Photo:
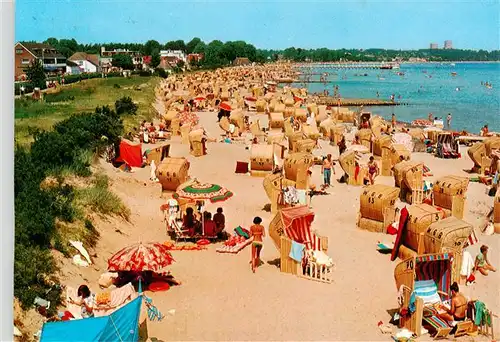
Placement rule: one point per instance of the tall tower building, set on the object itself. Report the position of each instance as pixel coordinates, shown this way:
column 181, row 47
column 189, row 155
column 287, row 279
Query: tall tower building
column 448, row 44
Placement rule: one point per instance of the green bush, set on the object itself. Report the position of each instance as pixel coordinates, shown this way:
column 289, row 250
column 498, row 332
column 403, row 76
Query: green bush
column 161, row 72
column 28, row 88
column 29, row 263
column 125, row 105
column 38, row 203
column 144, row 73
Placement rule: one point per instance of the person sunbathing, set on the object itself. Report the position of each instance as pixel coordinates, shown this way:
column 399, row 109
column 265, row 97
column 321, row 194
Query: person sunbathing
column 458, row 310
column 482, row 263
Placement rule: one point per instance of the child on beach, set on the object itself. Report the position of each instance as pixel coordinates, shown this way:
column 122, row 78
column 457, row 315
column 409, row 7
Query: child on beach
column 257, row 231
column 482, row 263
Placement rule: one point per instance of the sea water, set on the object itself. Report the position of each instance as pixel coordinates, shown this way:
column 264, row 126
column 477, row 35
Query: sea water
column 426, row 88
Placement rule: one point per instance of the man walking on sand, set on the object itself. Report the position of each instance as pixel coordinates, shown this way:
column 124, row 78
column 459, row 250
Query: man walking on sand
column 326, row 170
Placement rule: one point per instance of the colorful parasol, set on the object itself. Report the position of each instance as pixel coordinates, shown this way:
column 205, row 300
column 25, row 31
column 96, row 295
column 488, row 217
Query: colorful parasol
column 225, row 106
column 298, row 99
column 188, row 118
column 199, row 98
column 141, row 257
column 203, row 191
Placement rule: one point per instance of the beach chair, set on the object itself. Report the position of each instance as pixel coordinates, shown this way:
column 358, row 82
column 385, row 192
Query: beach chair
column 257, row 131
column 293, row 225
column 229, row 129
column 447, row 147
column 179, row 233
column 428, row 277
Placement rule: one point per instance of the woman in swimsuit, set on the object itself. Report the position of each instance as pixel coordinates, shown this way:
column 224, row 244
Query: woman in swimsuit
column 458, row 310
column 482, row 263
column 257, row 231
column 372, row 170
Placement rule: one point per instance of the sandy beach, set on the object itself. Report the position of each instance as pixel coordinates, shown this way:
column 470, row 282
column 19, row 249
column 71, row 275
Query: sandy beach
column 221, row 299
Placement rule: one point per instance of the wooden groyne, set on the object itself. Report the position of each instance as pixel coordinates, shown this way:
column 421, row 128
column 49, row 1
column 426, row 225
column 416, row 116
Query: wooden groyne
column 331, row 101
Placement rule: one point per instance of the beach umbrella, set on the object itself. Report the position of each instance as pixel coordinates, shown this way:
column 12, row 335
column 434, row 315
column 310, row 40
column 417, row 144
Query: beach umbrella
column 203, row 191
column 225, row 106
column 250, row 98
column 188, row 118
column 141, row 257
column 199, row 98
column 197, row 191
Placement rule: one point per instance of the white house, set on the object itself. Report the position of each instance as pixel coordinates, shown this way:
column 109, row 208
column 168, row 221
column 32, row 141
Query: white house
column 86, row 62
column 173, row 53
column 72, row 68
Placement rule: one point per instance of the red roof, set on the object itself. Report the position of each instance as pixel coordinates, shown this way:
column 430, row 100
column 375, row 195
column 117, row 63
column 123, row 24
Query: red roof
column 146, row 59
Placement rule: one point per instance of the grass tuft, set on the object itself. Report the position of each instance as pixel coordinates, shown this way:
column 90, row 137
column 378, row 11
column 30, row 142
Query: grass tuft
column 99, row 198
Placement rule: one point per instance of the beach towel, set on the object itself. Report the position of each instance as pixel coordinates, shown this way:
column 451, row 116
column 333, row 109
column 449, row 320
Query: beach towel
column 302, row 196
column 428, row 291
column 297, row 251
column 321, row 258
column 467, row 264
column 290, row 195
column 118, row 298
column 79, row 246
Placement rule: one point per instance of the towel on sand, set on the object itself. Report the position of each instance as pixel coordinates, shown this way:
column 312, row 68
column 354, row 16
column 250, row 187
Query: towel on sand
column 118, row 298
column 297, row 251
column 467, row 264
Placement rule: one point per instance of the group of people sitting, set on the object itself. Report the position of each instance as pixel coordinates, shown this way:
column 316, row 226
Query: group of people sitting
column 208, row 226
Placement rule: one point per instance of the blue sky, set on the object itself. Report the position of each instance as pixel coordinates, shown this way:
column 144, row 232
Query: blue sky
column 278, row 24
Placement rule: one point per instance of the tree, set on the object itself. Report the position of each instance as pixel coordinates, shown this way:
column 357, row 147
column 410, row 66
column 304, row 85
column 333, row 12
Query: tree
column 155, row 59
column 150, row 47
column 176, row 45
column 200, row 48
column 122, row 61
column 36, row 75
column 192, row 44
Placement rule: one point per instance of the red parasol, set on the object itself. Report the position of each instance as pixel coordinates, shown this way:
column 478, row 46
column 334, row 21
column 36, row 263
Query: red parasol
column 141, row 257
column 199, row 98
column 298, row 99
column 250, row 98
column 225, row 106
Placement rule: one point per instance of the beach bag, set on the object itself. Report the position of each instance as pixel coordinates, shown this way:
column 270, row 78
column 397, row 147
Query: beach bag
column 242, row 232
column 241, row 167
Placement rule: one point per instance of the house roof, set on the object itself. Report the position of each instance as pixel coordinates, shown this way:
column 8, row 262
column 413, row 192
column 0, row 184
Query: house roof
column 39, row 50
column 70, row 63
column 241, row 61
column 83, row 56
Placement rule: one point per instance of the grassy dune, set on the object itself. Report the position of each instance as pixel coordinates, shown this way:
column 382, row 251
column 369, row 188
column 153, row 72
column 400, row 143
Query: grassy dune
column 82, row 97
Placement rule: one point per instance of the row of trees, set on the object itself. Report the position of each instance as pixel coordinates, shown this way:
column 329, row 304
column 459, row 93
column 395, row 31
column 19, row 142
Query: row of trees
column 219, row 54
column 216, row 53
column 373, row 55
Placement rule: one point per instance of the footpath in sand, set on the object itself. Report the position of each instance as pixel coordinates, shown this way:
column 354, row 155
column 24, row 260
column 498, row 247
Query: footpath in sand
column 221, row 299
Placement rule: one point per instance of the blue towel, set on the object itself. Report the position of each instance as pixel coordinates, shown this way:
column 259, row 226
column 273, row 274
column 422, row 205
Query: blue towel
column 297, row 251
column 411, row 306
